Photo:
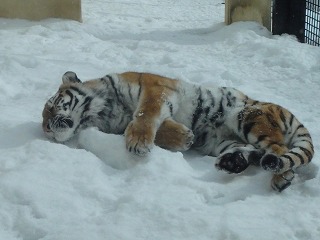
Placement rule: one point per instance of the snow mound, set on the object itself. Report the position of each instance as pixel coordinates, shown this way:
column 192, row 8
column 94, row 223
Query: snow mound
column 112, row 150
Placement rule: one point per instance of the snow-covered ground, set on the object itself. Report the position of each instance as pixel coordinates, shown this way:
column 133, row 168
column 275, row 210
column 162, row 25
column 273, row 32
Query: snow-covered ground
column 52, row 191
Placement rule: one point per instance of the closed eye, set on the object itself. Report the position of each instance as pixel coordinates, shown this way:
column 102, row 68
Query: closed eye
column 69, row 122
column 62, row 122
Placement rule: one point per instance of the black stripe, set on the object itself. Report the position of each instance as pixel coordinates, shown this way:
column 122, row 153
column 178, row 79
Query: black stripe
column 210, row 97
column 140, row 86
column 247, row 128
column 227, row 146
column 304, row 135
column 246, row 100
column 69, row 94
column 102, row 114
column 261, row 138
column 290, row 159
column 86, row 119
column 57, row 99
column 306, row 152
column 304, row 140
column 283, row 119
column 76, row 101
column 198, row 111
column 86, row 101
column 86, row 104
column 77, row 90
column 229, row 104
column 220, row 106
column 129, row 91
column 299, row 156
column 271, row 120
column 219, row 112
column 206, row 112
column 295, row 131
column 240, row 119
column 113, row 87
column 309, row 142
column 291, row 119
column 203, row 138
column 71, row 97
column 169, row 104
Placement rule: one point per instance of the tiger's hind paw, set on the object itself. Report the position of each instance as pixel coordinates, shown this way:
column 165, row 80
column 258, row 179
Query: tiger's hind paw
column 174, row 136
column 282, row 181
column 187, row 141
column 232, row 162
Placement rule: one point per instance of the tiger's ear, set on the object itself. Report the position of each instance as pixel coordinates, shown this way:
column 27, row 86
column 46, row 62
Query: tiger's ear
column 70, row 77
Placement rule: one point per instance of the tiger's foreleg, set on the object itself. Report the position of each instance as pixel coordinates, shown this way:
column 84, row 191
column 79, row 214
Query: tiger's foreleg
column 287, row 142
column 141, row 131
column 155, row 105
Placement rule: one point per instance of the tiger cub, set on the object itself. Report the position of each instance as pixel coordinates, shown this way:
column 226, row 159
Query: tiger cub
column 150, row 109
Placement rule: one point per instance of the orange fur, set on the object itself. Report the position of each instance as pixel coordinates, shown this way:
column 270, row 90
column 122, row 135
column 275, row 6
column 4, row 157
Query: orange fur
column 173, row 135
column 267, row 123
column 155, row 90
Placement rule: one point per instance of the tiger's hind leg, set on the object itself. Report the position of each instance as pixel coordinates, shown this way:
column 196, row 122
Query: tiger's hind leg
column 287, row 142
column 174, row 136
column 235, row 157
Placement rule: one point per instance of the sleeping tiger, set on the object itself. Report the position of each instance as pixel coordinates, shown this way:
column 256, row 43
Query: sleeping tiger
column 150, row 109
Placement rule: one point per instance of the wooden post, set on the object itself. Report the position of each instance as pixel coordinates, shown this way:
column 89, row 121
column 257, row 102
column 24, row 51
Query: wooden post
column 41, row 9
column 248, row 10
column 289, row 17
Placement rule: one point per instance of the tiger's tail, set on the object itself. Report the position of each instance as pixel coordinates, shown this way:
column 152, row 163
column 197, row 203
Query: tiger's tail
column 300, row 150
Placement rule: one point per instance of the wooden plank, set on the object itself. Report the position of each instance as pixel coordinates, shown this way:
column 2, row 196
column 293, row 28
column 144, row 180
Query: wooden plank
column 248, row 10
column 41, row 9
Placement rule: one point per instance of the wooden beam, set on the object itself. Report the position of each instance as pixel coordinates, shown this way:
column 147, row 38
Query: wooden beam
column 248, row 10
column 41, row 9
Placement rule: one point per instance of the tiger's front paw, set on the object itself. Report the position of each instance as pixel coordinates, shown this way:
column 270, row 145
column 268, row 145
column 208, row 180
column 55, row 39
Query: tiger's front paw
column 187, row 138
column 139, row 138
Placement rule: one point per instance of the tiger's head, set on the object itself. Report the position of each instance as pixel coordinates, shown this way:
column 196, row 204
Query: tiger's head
column 63, row 112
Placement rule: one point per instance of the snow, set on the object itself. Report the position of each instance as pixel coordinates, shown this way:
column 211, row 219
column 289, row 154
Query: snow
column 94, row 189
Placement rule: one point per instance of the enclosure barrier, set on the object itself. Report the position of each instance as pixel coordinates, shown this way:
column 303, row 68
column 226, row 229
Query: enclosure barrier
column 297, row 17
column 248, row 10
column 41, row 9
column 312, row 22
column 289, row 17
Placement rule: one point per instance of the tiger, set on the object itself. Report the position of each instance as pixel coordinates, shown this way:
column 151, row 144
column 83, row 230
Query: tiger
column 149, row 109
